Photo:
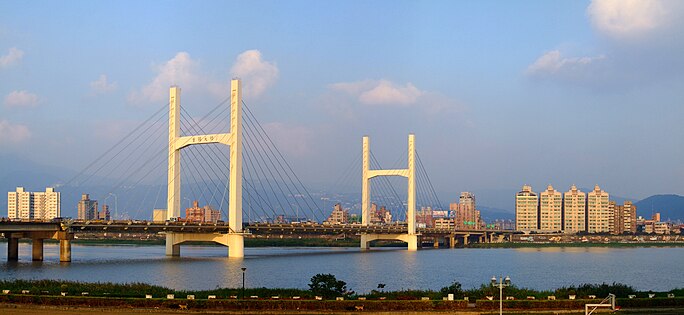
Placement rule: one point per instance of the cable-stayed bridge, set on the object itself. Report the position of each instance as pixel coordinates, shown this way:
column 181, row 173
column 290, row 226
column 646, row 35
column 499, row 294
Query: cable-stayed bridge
column 244, row 176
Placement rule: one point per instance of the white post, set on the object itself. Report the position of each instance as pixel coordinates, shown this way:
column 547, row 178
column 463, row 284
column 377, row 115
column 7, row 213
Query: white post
column 500, row 296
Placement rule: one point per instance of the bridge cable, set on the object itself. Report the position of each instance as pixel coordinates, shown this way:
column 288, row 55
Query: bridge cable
column 264, row 136
column 225, row 164
column 250, row 114
column 248, row 194
column 114, row 146
column 420, row 162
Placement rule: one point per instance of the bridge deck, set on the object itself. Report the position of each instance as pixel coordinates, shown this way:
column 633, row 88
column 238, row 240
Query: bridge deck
column 194, row 227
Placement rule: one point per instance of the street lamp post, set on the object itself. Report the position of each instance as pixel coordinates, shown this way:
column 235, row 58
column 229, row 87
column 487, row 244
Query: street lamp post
column 243, row 282
column 503, row 282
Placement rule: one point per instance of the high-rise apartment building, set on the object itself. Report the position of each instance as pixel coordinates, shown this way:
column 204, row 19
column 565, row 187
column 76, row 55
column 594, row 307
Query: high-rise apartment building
column 624, row 218
column 574, row 210
column 599, row 214
column 19, row 204
column 39, row 205
column 87, row 208
column 526, row 206
column 550, row 210
column 466, row 215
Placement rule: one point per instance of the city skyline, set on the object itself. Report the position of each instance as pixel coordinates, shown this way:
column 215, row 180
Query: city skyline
column 498, row 94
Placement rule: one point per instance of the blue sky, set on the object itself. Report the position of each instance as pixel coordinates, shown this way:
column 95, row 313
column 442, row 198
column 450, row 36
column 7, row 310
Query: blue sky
column 498, row 93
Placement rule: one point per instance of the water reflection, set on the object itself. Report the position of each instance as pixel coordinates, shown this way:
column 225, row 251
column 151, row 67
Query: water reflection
column 207, row 267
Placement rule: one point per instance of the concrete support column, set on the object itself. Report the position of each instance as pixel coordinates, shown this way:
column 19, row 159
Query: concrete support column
column 236, row 246
column 452, row 241
column 65, row 250
column 364, row 242
column 412, row 240
column 435, row 242
column 37, row 252
column 172, row 249
column 12, row 249
column 465, row 240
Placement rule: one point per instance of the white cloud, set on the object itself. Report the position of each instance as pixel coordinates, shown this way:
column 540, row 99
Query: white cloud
column 628, row 18
column 353, row 100
column 13, row 133
column 102, row 85
column 382, row 92
column 256, row 73
column 180, row 70
column 13, row 57
column 21, row 99
column 553, row 63
column 641, row 42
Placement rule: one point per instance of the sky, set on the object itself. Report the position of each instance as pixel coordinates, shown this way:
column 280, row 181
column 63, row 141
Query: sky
column 498, row 93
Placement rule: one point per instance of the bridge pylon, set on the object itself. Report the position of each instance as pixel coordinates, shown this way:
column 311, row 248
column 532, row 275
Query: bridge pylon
column 235, row 238
column 410, row 173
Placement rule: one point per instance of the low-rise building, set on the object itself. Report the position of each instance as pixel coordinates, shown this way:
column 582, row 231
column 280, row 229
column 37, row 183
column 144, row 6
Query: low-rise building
column 203, row 214
column 159, row 215
column 380, row 216
column 445, row 223
column 338, row 215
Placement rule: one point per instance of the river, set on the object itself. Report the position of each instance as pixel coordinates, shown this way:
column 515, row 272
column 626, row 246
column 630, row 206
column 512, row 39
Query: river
column 207, row 267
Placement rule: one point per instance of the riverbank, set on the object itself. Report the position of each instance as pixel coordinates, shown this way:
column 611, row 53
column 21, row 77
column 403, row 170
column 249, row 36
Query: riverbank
column 22, row 309
column 81, row 305
column 69, row 294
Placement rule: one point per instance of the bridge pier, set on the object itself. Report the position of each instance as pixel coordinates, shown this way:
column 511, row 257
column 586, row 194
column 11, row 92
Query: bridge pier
column 37, row 252
column 410, row 239
column 465, row 240
column 234, row 241
column 452, row 241
column 12, row 248
column 65, row 250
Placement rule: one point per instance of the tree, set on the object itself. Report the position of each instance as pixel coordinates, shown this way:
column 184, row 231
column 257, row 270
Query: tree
column 454, row 288
column 327, row 285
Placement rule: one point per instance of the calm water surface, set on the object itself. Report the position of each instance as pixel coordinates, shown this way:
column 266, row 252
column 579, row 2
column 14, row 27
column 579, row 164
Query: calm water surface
column 207, row 267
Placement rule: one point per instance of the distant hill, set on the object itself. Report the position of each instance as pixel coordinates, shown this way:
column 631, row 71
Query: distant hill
column 671, row 207
column 489, row 214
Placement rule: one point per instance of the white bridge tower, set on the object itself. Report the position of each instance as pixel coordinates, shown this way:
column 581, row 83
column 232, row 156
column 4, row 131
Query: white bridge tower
column 411, row 237
column 235, row 238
